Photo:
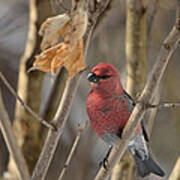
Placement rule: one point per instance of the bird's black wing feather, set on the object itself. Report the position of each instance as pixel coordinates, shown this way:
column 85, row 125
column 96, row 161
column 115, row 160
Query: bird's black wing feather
column 132, row 103
column 144, row 132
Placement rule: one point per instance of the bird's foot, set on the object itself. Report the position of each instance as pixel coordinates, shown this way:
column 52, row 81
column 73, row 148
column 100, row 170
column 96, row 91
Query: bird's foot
column 104, row 163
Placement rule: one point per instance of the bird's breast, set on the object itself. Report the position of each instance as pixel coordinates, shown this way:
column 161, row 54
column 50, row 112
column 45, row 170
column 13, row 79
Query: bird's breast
column 107, row 113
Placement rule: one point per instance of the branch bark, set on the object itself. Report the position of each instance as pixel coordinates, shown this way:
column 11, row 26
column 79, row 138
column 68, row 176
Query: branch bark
column 62, row 113
column 169, row 46
column 53, row 101
column 163, row 105
column 153, row 112
column 136, row 45
column 12, row 144
column 176, row 171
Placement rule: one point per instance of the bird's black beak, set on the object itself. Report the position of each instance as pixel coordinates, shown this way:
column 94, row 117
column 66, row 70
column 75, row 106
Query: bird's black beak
column 93, row 78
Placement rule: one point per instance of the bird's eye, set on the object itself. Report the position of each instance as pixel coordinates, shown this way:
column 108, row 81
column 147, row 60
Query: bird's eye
column 104, row 77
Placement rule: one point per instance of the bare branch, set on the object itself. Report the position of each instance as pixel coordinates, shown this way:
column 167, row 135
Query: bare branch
column 22, row 88
column 53, row 100
column 176, row 171
column 74, row 146
column 53, row 136
column 153, row 112
column 136, row 45
column 163, row 105
column 169, row 46
column 45, row 123
column 62, row 113
column 11, row 143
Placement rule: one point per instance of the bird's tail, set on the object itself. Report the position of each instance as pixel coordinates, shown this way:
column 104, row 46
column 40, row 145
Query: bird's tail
column 147, row 166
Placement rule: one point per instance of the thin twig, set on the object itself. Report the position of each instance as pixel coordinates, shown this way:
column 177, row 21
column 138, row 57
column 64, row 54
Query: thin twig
column 12, row 144
column 169, row 46
column 163, row 105
column 74, row 146
column 62, row 113
column 48, row 125
column 153, row 112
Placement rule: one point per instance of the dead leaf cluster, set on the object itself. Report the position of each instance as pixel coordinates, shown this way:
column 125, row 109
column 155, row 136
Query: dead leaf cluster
column 70, row 29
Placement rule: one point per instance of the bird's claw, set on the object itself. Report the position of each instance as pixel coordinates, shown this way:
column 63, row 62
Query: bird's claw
column 104, row 163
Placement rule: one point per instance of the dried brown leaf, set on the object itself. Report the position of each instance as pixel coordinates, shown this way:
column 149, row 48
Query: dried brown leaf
column 50, row 30
column 71, row 27
column 69, row 53
column 53, row 58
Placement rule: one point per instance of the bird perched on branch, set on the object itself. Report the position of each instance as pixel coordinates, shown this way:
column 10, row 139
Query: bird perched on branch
column 109, row 107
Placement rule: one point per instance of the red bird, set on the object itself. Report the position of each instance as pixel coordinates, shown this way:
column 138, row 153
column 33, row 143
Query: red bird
column 109, row 107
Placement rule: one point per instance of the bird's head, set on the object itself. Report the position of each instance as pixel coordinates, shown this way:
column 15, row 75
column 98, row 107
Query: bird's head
column 104, row 76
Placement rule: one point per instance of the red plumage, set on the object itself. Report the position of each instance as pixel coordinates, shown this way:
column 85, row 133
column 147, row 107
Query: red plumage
column 107, row 113
column 109, row 108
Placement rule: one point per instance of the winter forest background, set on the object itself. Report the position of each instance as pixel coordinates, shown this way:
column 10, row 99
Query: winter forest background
column 108, row 44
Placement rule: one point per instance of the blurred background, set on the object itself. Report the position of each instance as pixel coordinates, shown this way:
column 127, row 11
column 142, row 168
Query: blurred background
column 107, row 45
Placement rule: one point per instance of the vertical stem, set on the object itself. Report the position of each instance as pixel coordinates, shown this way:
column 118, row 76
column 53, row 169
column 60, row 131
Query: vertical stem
column 22, row 87
column 136, row 50
column 30, row 87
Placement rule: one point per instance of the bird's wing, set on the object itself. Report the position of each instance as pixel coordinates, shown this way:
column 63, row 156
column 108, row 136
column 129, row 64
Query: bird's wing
column 131, row 105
